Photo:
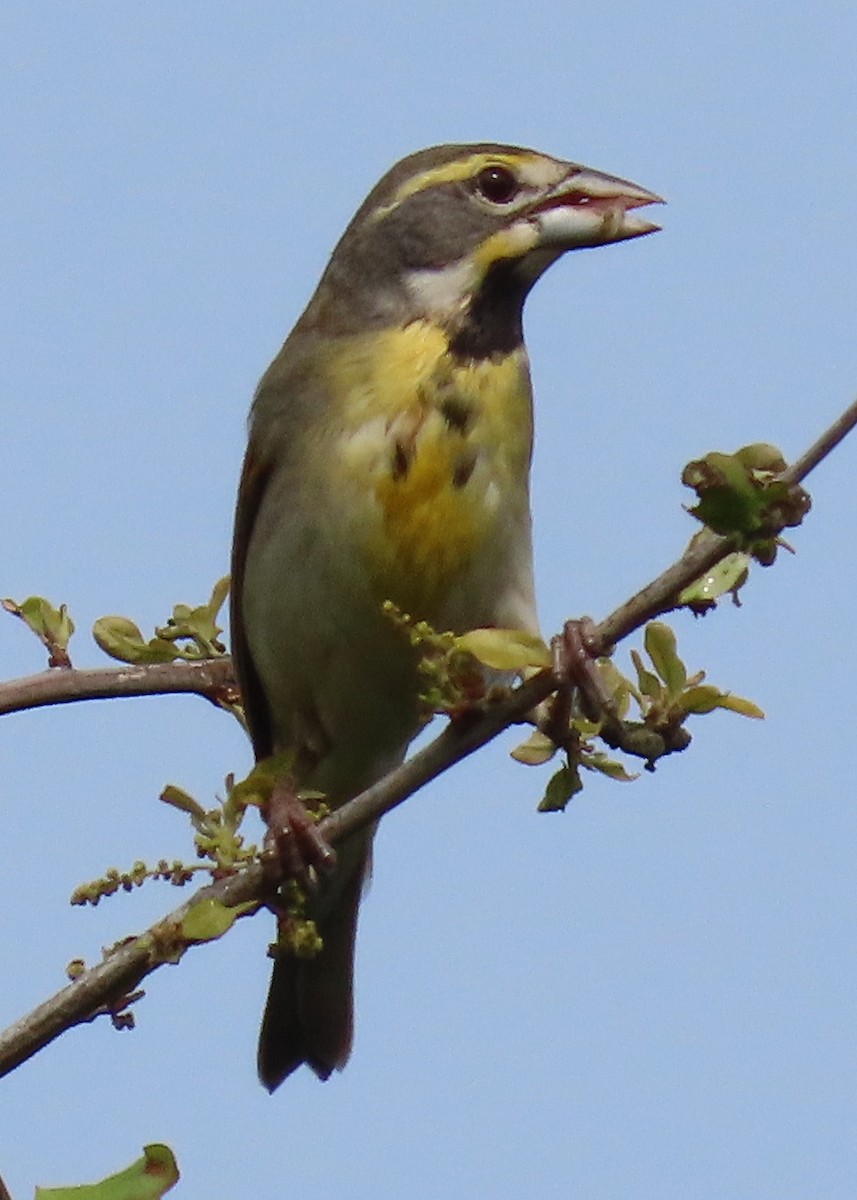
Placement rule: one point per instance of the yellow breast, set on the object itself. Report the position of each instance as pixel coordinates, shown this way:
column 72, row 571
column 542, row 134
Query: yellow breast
column 431, row 451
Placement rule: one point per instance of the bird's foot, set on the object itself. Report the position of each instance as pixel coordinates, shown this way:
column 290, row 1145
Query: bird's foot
column 575, row 654
column 582, row 689
column 294, row 845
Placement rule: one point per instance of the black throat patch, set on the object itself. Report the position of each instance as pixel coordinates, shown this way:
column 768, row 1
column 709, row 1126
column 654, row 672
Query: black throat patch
column 493, row 323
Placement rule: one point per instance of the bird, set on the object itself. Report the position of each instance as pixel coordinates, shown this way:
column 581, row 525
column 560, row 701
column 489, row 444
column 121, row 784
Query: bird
column 388, row 460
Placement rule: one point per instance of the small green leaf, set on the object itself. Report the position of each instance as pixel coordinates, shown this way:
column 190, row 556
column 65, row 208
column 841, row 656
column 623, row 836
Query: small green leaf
column 219, row 593
column 648, row 683
column 149, row 1178
column 660, row 645
column 121, row 639
column 738, row 704
column 587, row 729
column 505, row 649
column 562, row 786
column 617, row 686
column 210, row 919
column 703, row 699
column 537, row 749
column 728, row 500
column 183, row 801
column 728, row 575
column 608, row 766
column 257, row 786
column 58, row 625
column 742, row 495
column 190, row 634
column 761, row 456
column 52, row 626
column 706, row 699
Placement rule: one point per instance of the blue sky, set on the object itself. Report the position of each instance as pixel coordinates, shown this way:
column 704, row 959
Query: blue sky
column 652, row 996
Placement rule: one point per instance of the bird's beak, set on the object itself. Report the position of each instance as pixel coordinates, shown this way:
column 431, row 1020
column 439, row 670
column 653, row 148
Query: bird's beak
column 588, row 208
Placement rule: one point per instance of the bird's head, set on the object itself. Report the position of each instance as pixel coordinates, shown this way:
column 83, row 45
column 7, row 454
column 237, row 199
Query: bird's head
column 459, row 235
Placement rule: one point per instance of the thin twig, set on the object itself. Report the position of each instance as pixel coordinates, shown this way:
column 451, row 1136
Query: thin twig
column 820, row 449
column 661, row 595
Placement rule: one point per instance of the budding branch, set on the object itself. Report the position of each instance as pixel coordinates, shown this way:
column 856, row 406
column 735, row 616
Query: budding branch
column 99, row 987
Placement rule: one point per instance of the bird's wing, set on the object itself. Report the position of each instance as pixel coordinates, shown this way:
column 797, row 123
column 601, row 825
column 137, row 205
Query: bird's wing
column 254, row 476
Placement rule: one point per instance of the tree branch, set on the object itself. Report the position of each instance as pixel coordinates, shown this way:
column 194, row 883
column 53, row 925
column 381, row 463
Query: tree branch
column 123, row 970
column 212, row 678
column 820, row 449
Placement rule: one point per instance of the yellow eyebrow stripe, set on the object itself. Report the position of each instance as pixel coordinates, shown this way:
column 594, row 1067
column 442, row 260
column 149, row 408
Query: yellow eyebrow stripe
column 452, row 172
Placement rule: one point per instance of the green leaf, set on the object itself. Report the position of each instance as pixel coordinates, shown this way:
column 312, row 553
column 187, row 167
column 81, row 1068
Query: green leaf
column 52, row 626
column 58, row 625
column 742, row 495
column 257, row 786
column 660, row 645
column 729, row 503
column 618, row 687
column 209, row 919
column 219, row 593
column 728, row 575
column 648, row 683
column 703, row 699
column 199, row 624
column 505, row 649
column 183, row 801
column 742, row 706
column 190, row 634
column 586, row 728
column 149, row 1178
column 706, row 699
column 121, row 639
column 537, row 749
column 762, row 456
column 565, row 784
column 608, row 766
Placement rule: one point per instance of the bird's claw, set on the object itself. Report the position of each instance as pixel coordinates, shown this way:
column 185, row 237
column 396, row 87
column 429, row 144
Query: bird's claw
column 293, row 842
column 575, row 652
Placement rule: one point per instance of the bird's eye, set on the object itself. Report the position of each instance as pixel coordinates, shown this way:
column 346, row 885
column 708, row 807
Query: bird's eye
column 497, row 184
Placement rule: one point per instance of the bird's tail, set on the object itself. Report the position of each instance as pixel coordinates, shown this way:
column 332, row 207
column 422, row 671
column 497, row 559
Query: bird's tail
column 309, row 1015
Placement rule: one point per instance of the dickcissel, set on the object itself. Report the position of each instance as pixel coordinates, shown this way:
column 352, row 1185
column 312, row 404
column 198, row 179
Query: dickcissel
column 389, row 455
